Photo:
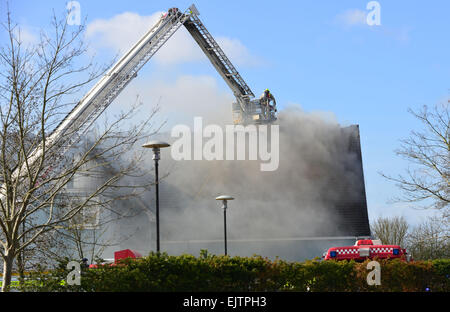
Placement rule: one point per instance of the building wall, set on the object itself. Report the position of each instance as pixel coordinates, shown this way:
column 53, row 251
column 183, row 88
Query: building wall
column 273, row 214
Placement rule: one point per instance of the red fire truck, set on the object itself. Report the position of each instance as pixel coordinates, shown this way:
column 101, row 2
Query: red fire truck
column 367, row 249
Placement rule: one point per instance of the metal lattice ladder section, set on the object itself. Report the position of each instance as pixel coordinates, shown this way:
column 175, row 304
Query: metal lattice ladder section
column 91, row 106
column 215, row 48
column 119, row 79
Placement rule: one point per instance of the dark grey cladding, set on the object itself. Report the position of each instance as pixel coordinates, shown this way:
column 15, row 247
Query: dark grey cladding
column 352, row 205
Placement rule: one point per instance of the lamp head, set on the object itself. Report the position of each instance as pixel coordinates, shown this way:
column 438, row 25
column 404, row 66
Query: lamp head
column 156, row 144
column 224, row 197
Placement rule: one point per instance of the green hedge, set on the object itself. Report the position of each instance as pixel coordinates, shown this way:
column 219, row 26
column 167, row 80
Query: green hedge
column 223, row 273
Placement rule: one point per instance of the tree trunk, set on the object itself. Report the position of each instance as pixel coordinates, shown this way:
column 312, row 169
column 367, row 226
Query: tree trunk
column 7, row 272
column 20, row 261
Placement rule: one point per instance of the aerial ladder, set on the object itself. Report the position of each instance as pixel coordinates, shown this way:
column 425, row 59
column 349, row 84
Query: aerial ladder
column 245, row 110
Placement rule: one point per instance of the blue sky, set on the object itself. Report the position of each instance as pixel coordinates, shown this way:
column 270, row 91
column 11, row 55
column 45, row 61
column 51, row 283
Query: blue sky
column 320, row 55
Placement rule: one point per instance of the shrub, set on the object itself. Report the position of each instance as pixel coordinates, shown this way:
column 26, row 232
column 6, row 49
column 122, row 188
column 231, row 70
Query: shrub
column 186, row 273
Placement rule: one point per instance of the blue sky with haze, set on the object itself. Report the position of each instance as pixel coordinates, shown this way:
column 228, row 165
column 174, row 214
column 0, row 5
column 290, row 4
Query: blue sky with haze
column 320, row 55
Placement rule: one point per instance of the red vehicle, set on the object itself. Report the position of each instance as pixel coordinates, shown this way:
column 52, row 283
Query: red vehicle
column 367, row 249
column 118, row 255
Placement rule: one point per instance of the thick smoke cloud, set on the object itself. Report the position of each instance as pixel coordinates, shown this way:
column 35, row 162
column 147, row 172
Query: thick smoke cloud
column 317, row 173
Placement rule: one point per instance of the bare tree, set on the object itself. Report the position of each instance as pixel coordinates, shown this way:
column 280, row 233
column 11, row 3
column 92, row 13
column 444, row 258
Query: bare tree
column 89, row 233
column 391, row 231
column 427, row 180
column 37, row 84
column 429, row 240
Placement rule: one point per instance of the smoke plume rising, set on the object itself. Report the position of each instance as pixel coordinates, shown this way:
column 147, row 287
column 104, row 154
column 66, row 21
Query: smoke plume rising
column 318, row 176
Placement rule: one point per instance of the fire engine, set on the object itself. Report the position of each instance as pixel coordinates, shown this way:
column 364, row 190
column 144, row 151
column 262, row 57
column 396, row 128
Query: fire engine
column 367, row 249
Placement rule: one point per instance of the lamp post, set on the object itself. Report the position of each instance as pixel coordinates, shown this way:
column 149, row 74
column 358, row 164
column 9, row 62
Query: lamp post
column 156, row 146
column 224, row 199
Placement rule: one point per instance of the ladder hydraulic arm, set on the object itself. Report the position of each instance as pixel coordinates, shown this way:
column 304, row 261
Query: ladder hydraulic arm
column 246, row 110
column 90, row 107
column 117, row 78
column 102, row 94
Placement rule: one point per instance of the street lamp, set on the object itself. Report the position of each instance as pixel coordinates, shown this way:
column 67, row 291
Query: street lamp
column 156, row 146
column 224, row 199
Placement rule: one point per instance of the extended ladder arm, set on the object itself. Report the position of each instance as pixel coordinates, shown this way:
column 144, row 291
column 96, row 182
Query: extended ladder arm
column 106, row 90
column 217, row 57
column 248, row 110
column 118, row 77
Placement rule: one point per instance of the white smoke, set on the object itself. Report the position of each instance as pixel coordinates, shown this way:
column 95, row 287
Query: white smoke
column 316, row 174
